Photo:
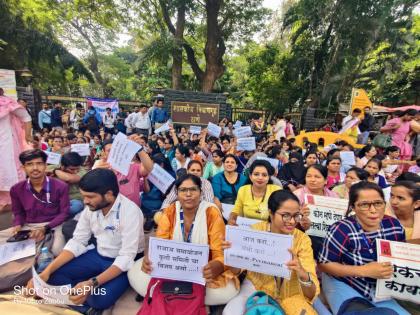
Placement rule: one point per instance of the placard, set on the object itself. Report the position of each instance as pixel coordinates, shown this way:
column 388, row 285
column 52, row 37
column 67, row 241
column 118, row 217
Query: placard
column 246, row 222
column 165, row 127
column 324, row 212
column 16, row 250
column 237, row 124
column 347, row 158
column 160, row 178
column 242, row 132
column 227, row 209
column 178, row 260
column 195, row 130
column 81, row 148
column 258, row 251
column 274, row 162
column 214, row 130
column 405, row 282
column 122, row 153
column 246, row 144
column 53, row 158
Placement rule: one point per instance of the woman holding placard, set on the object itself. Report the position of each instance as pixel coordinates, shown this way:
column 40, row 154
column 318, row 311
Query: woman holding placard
column 192, row 220
column 348, row 257
column 252, row 199
column 353, row 175
column 296, row 294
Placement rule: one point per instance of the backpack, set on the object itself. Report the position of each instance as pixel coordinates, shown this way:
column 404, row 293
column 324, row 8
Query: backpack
column 260, row 303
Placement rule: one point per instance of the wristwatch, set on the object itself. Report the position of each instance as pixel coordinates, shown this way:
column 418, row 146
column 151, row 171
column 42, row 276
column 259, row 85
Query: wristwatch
column 95, row 282
column 306, row 283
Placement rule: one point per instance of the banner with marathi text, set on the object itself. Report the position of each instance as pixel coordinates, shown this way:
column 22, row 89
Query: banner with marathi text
column 101, row 104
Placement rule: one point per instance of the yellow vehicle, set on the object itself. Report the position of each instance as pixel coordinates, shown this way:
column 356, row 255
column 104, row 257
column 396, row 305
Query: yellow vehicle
column 324, row 138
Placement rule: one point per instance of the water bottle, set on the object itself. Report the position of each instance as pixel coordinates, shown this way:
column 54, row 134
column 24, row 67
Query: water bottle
column 44, row 259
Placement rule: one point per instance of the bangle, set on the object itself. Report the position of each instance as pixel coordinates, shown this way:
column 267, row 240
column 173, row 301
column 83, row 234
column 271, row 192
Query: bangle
column 306, row 283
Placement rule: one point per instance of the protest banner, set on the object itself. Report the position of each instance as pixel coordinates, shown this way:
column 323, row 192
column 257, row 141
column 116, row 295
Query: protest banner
column 165, row 127
column 227, row 209
column 348, row 158
column 101, row 104
column 258, row 251
column 53, row 158
column 246, row 222
column 405, row 282
column 160, row 178
column 8, row 83
column 81, row 148
column 246, row 144
column 122, row 153
column 195, row 130
column 178, row 260
column 16, row 250
column 274, row 162
column 242, row 132
column 324, row 212
column 214, row 130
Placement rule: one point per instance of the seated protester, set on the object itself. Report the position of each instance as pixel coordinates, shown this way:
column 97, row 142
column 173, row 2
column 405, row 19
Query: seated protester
column 195, row 168
column 348, row 257
column 203, row 225
column 252, row 198
column 58, row 145
column 130, row 185
column 293, row 295
column 334, row 176
column 226, row 184
column 71, row 172
column 152, row 197
column 365, row 154
column 39, row 203
column 181, row 159
column 215, row 166
column 243, row 160
column 353, row 176
column 405, row 199
column 292, row 174
column 390, row 164
column 373, row 167
column 99, row 275
column 311, row 158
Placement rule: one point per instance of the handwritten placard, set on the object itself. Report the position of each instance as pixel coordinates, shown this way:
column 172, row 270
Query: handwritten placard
column 347, row 158
column 81, row 148
column 16, row 250
column 242, row 132
column 404, row 284
column 178, row 260
column 227, row 209
column 237, row 124
column 214, row 130
column 160, row 178
column 246, row 222
column 195, row 130
column 246, row 144
column 53, row 158
column 324, row 212
column 122, row 153
column 165, row 127
column 258, row 251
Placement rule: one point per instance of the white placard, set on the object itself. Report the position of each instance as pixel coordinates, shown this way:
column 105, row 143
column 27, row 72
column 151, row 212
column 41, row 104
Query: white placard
column 53, row 158
column 178, row 260
column 214, row 130
column 165, row 127
column 274, row 162
column 258, row 251
column 405, row 282
column 16, row 250
column 237, row 124
column 122, row 153
column 227, row 209
column 246, row 222
column 160, row 178
column 347, row 158
column 242, row 132
column 81, row 148
column 246, row 144
column 50, row 293
column 324, row 212
column 195, row 130
column 8, row 83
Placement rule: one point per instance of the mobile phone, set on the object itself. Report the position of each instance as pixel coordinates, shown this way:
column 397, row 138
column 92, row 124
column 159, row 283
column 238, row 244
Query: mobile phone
column 19, row 236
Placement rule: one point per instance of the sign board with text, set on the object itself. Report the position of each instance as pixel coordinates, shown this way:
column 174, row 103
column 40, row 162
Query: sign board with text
column 192, row 113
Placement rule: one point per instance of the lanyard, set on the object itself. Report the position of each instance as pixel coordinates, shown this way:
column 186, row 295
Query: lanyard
column 181, row 217
column 364, row 238
column 48, row 190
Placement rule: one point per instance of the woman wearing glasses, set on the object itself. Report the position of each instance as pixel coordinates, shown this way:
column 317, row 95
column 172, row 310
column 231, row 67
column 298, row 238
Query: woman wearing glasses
column 252, row 199
column 201, row 224
column 348, row 257
column 296, row 294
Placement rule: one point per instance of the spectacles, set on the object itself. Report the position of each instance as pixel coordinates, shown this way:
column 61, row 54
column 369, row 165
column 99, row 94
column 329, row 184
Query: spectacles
column 378, row 205
column 185, row 190
column 287, row 217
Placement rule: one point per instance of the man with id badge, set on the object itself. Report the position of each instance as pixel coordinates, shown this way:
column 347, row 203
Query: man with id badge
column 40, row 204
column 98, row 275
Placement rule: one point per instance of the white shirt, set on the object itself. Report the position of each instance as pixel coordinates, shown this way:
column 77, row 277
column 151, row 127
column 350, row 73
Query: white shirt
column 118, row 235
column 129, row 120
column 109, row 121
column 142, row 121
column 75, row 119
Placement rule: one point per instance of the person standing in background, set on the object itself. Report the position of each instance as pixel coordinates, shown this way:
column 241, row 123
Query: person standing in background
column 56, row 115
column 76, row 117
column 109, row 121
column 159, row 115
column 365, row 126
column 141, row 122
column 44, row 117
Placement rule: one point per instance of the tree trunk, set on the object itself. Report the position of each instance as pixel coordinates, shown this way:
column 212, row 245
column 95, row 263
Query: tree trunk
column 177, row 51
